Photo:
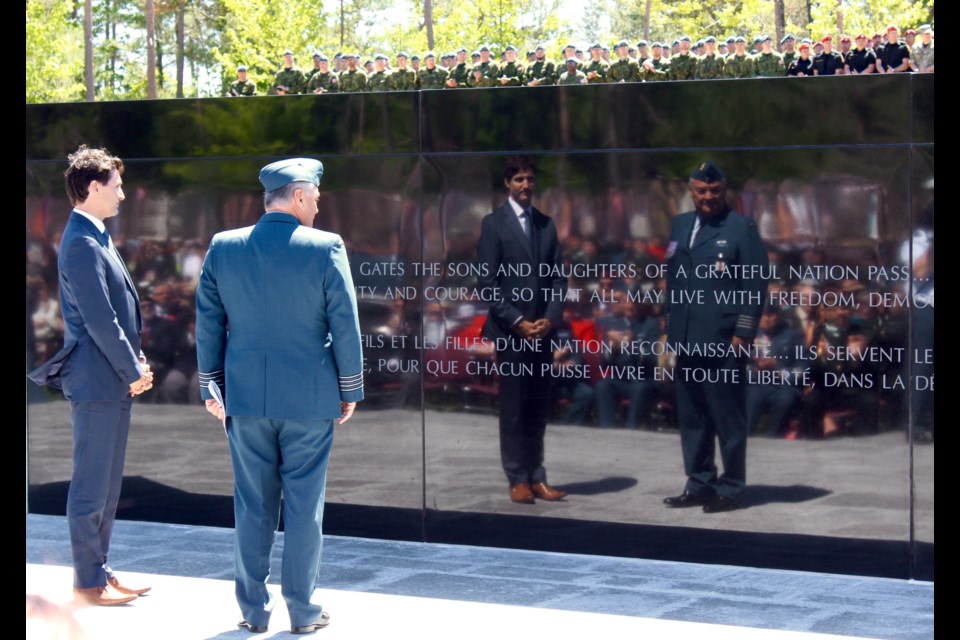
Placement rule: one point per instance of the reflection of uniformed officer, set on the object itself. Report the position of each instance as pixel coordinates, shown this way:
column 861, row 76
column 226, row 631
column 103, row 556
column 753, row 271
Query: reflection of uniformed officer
column 715, row 293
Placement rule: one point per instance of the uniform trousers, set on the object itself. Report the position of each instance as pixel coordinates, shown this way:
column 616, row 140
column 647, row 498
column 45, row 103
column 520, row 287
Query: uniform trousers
column 274, row 458
column 710, row 412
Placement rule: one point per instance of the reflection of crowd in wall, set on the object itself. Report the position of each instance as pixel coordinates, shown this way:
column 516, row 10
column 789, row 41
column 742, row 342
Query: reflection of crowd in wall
column 708, row 58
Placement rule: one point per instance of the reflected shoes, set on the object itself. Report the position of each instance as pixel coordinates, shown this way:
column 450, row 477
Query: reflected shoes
column 103, row 596
column 521, row 493
column 545, row 492
column 686, row 499
column 718, row 504
column 315, row 626
column 126, row 589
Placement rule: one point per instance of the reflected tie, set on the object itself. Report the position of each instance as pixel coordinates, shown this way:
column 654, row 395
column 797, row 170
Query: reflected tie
column 696, row 229
column 527, row 224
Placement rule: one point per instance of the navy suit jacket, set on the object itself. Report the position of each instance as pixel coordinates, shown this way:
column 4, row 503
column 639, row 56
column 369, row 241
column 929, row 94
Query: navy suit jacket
column 513, row 269
column 277, row 325
column 727, row 263
column 101, row 317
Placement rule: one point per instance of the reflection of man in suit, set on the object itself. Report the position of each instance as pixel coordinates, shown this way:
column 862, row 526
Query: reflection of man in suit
column 716, row 265
column 100, row 368
column 277, row 326
column 519, row 255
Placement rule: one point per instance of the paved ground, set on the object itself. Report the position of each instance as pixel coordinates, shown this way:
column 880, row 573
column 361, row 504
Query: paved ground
column 375, row 589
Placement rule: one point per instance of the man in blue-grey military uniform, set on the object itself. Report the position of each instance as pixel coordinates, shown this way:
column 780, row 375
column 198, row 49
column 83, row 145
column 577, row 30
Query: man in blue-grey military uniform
column 716, row 265
column 278, row 338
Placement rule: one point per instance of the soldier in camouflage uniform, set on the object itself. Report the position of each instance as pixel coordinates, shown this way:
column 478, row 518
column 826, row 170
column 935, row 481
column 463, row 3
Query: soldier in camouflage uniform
column 403, row 77
column 460, row 72
column 543, row 71
column 657, row 67
column 788, row 49
column 324, row 80
column 242, row 87
column 643, row 52
column 484, row 74
column 597, row 69
column 511, row 72
column 769, row 63
column 572, row 75
column 624, row 69
column 352, row 79
column 415, row 63
column 377, row 80
column 316, row 67
column 569, row 51
column 739, row 64
column 289, row 79
column 710, row 64
column 431, row 76
column 683, row 65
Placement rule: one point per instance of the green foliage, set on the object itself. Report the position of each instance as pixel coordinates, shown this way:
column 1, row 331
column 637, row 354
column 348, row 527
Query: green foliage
column 54, row 52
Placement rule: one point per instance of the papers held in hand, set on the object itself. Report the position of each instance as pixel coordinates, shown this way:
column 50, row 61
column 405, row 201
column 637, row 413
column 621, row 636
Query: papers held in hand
column 214, row 390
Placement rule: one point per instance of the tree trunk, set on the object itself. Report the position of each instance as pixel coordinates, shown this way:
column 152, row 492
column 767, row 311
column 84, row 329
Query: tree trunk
column 839, row 17
column 779, row 18
column 151, row 53
column 428, row 22
column 646, row 21
column 181, row 10
column 88, row 47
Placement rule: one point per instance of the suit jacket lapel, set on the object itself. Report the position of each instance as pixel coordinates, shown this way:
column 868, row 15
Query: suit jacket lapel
column 513, row 224
column 92, row 231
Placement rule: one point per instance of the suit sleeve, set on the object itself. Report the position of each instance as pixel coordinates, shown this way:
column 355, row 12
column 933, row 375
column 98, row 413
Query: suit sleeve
column 490, row 258
column 344, row 323
column 558, row 283
column 87, row 276
column 753, row 253
column 211, row 327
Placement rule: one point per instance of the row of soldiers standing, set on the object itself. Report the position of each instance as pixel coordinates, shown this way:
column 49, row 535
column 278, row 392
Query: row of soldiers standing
column 643, row 63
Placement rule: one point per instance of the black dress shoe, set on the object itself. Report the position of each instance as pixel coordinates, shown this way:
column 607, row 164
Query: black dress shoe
column 721, row 503
column 686, row 499
column 314, row 626
column 252, row 628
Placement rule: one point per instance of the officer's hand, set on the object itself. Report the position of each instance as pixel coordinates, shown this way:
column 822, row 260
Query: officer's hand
column 346, row 410
column 524, row 328
column 215, row 408
column 541, row 328
column 145, row 383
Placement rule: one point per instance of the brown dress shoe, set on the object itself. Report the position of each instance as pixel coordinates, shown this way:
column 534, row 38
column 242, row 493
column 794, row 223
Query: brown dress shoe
column 130, row 591
column 103, row 596
column 521, row 493
column 545, row 492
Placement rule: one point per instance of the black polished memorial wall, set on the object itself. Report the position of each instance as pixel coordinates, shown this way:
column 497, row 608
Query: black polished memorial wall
column 837, row 173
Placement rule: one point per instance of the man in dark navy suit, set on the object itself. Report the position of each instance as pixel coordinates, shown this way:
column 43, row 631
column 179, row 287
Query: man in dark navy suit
column 519, row 256
column 278, row 336
column 716, row 270
column 100, row 368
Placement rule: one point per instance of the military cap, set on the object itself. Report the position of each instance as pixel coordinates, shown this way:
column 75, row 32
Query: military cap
column 845, row 39
column 656, row 45
column 804, row 45
column 632, row 50
column 241, row 67
column 732, row 39
column 415, row 57
column 710, row 39
column 700, row 43
column 596, row 45
column 926, row 29
column 403, row 54
column 283, row 172
column 510, row 47
column 579, row 50
column 349, row 55
column 758, row 40
column 380, row 56
column 288, row 52
column 910, row 32
column 337, row 55
column 807, row 40
column 787, row 37
column 485, row 48
column 676, row 42
column 622, row 43
column 530, row 52
column 740, row 39
column 570, row 46
column 475, row 54
column 892, row 27
column 707, row 172
column 323, row 58
column 429, row 54
column 642, row 43
column 540, row 47
column 861, row 36
column 572, row 61
column 826, row 39
column 684, row 39
column 462, row 50
column 316, row 54
column 766, row 38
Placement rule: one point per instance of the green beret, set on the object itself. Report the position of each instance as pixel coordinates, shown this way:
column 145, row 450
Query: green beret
column 242, row 67
column 283, row 172
column 707, row 172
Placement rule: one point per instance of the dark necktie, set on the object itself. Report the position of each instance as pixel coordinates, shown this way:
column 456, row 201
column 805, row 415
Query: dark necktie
column 528, row 228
